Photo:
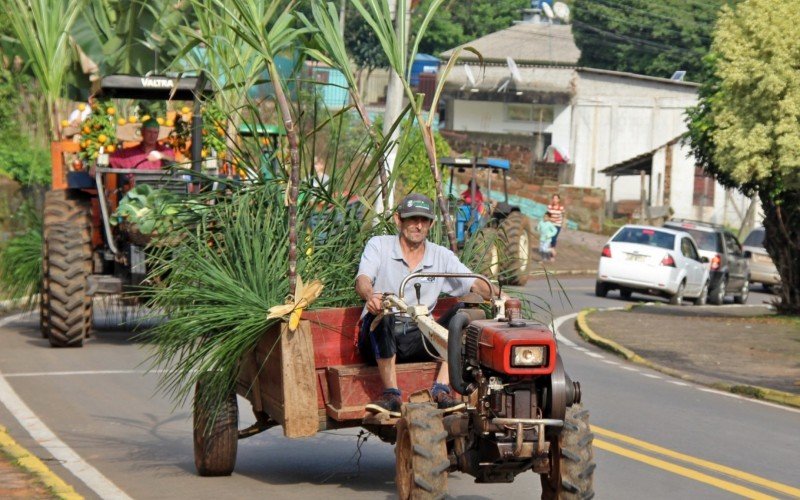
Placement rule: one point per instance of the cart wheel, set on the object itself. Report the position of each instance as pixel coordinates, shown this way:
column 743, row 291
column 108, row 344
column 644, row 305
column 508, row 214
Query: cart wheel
column 421, row 453
column 216, row 434
column 571, row 473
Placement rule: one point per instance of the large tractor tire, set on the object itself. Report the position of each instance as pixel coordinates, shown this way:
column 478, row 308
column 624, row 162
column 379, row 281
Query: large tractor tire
column 65, row 306
column 516, row 232
column 216, row 433
column 487, row 243
column 421, row 453
column 67, row 309
column 571, row 459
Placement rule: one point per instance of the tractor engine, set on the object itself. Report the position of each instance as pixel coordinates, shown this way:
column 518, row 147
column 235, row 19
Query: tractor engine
column 518, row 389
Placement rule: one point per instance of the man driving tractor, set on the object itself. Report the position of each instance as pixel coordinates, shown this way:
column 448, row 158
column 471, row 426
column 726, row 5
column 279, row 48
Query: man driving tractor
column 385, row 262
column 147, row 155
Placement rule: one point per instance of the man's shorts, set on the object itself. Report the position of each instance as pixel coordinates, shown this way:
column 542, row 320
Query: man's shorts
column 398, row 336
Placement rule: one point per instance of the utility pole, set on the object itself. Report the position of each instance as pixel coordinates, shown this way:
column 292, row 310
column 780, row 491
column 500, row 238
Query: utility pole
column 394, row 100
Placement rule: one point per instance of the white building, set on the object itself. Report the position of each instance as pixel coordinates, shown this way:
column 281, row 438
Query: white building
column 530, row 90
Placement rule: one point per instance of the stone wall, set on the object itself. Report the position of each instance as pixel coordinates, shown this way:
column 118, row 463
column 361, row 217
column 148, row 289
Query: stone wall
column 584, row 205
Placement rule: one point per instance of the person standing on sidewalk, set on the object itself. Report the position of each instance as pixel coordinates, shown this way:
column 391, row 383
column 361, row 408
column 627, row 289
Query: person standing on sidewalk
column 557, row 211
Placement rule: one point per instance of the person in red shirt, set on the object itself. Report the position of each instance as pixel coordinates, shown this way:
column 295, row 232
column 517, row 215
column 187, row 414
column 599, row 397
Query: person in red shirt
column 147, row 155
column 466, row 196
column 557, row 211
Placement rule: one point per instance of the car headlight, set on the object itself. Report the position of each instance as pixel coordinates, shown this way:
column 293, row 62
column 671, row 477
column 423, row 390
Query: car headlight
column 528, row 355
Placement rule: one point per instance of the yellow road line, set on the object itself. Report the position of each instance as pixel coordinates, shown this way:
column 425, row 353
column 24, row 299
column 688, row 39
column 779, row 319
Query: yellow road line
column 36, row 467
column 682, row 471
column 745, row 476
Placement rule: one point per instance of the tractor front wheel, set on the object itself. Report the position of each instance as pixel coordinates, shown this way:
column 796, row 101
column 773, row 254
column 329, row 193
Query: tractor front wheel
column 517, row 256
column 216, row 433
column 65, row 306
column 421, row 453
column 571, row 459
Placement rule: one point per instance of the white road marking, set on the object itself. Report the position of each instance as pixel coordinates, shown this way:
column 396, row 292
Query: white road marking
column 595, row 355
column 558, row 322
column 71, row 461
column 83, row 372
column 13, row 318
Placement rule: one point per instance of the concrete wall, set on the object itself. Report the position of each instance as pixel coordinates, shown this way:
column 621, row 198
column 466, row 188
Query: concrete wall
column 485, row 116
column 616, row 118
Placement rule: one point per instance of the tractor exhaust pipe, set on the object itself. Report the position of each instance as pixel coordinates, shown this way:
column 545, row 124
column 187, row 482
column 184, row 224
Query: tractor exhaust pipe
column 455, row 368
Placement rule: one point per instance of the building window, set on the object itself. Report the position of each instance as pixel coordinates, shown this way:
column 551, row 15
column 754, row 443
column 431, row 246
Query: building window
column 520, row 112
column 703, row 189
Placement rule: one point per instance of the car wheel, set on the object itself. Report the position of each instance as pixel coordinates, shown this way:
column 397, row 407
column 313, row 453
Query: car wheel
column 718, row 295
column 741, row 297
column 703, row 297
column 625, row 293
column 677, row 298
column 600, row 289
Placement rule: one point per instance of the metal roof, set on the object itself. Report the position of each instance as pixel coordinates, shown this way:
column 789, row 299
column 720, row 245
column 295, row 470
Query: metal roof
column 155, row 88
column 638, row 164
column 500, row 163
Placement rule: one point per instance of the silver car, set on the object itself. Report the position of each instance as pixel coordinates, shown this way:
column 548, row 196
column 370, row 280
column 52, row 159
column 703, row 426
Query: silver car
column 762, row 269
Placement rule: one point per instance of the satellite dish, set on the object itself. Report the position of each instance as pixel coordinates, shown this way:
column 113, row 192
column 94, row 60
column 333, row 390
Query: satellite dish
column 512, row 67
column 548, row 11
column 678, row 76
column 561, row 11
column 470, row 75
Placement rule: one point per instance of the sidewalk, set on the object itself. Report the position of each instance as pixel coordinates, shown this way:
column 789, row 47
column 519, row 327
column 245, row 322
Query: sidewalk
column 742, row 349
column 578, row 253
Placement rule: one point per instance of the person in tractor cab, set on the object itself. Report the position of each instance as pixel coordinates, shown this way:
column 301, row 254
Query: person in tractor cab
column 466, row 196
column 385, row 262
column 147, row 155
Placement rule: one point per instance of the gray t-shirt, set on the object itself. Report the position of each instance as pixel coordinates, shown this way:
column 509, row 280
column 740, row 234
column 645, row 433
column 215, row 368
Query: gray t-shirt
column 382, row 262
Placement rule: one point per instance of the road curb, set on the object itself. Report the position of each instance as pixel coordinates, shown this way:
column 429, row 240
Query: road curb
column 35, row 467
column 751, row 391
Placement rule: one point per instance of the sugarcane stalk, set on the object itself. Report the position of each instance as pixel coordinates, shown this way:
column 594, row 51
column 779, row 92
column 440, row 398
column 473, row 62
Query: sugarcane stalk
column 430, row 148
column 294, row 176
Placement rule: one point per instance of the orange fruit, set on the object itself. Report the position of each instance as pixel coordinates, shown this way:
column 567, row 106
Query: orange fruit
column 145, row 118
column 121, row 121
column 132, row 119
column 160, row 120
column 102, row 138
column 87, row 129
column 64, row 123
column 110, row 110
column 81, row 107
column 169, row 123
column 111, row 148
column 185, row 110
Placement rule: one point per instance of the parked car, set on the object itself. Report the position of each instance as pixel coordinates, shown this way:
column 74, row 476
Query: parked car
column 730, row 269
column 654, row 261
column 762, row 269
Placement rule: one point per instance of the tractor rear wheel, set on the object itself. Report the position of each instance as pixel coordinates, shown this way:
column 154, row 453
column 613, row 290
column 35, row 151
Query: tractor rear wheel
column 488, row 245
column 571, row 459
column 65, row 306
column 216, row 433
column 517, row 255
column 421, row 453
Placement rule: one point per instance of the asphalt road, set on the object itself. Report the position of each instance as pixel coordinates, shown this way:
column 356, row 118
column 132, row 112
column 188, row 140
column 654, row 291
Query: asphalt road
column 113, row 435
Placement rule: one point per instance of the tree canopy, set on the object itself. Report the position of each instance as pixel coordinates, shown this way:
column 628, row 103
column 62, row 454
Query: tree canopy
column 641, row 36
column 745, row 129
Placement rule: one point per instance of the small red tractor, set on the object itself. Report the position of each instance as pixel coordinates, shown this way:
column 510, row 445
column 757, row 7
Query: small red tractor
column 523, row 412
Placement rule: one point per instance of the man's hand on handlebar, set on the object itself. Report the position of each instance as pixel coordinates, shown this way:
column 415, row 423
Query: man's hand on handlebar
column 375, row 304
